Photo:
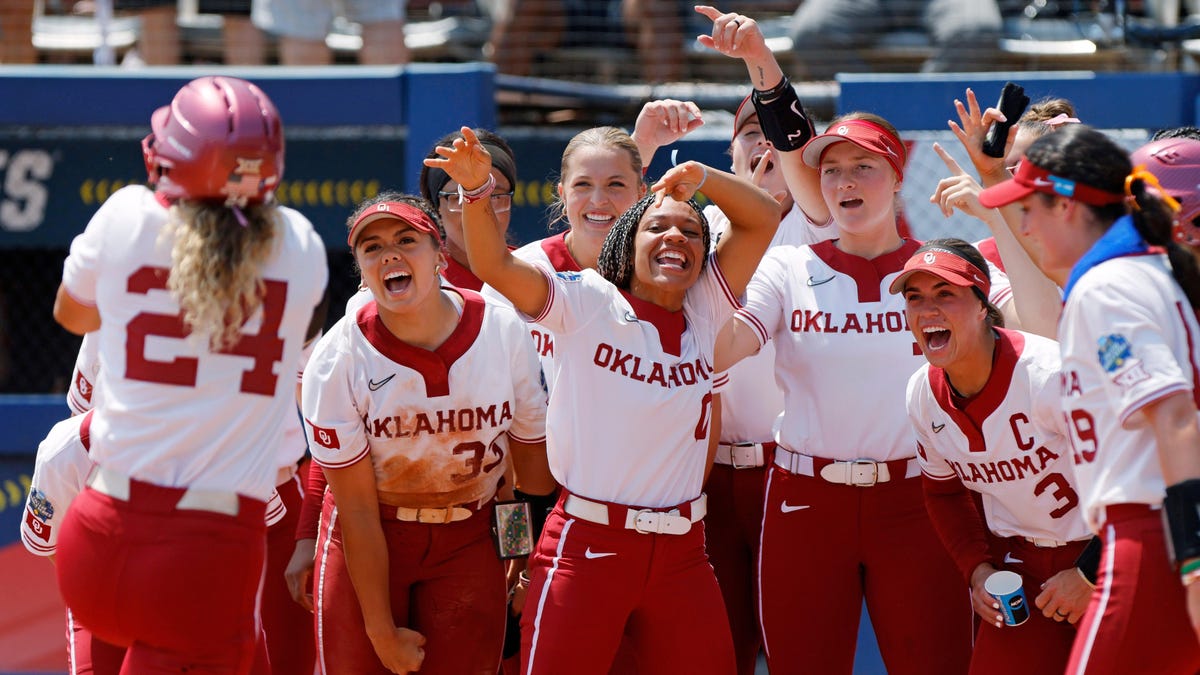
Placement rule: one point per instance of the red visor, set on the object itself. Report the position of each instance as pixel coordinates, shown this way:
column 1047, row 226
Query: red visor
column 865, row 134
column 744, row 112
column 398, row 211
column 1030, row 178
column 946, row 265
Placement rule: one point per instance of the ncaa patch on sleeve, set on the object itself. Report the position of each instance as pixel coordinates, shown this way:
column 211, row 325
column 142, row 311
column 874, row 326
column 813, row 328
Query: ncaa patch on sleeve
column 569, row 276
column 1114, row 352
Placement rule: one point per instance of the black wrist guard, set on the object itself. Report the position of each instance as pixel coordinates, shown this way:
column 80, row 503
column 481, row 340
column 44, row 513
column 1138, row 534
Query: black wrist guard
column 539, row 508
column 1088, row 561
column 782, row 117
column 1181, row 513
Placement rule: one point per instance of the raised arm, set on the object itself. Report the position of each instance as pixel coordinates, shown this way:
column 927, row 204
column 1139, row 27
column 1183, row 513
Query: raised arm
column 1036, row 299
column 662, row 123
column 469, row 164
column 753, row 215
column 784, row 124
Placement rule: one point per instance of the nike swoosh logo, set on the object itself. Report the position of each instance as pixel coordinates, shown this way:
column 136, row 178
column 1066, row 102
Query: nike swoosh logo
column 788, row 508
column 813, row 281
column 592, row 556
column 374, row 386
column 1008, row 558
column 631, row 317
column 1042, row 182
column 937, row 427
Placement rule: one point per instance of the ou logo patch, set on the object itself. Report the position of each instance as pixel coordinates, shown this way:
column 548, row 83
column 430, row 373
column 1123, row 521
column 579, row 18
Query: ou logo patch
column 929, row 257
column 843, row 130
column 327, row 438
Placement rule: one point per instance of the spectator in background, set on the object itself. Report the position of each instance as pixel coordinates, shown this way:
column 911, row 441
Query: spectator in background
column 826, row 34
column 523, row 30
column 301, row 26
column 16, row 32
column 243, row 43
column 158, row 41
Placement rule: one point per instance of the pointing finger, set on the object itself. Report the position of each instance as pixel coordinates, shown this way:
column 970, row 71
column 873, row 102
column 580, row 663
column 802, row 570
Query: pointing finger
column 948, row 160
column 710, row 12
column 761, row 169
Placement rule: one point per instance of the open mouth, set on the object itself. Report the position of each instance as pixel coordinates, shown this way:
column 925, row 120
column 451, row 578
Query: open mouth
column 397, row 282
column 597, row 219
column 756, row 160
column 850, row 203
column 936, row 338
column 672, row 260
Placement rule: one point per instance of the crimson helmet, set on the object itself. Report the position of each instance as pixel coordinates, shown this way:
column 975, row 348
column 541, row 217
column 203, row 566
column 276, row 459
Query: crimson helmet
column 1175, row 162
column 220, row 139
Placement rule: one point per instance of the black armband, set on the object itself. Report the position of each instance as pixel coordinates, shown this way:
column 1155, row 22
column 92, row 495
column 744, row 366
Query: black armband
column 539, row 508
column 1181, row 516
column 782, row 117
column 1088, row 561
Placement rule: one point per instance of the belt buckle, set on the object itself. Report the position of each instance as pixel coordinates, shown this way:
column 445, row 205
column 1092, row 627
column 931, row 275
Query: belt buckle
column 432, row 516
column 660, row 522
column 733, row 460
column 864, row 462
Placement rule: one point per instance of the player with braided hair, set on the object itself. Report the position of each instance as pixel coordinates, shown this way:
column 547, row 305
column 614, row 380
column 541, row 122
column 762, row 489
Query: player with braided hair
column 199, row 290
column 623, row 549
column 1130, row 352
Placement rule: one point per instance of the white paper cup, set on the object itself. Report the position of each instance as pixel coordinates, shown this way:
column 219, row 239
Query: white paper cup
column 1006, row 588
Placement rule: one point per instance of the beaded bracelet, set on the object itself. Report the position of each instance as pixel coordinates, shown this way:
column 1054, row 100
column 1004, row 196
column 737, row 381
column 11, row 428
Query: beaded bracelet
column 482, row 192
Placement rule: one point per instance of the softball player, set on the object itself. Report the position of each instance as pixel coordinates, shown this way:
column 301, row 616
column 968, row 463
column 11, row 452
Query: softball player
column 290, row 647
column 635, row 339
column 415, row 406
column 848, row 485
column 750, row 405
column 988, row 420
column 1128, row 336
column 198, row 290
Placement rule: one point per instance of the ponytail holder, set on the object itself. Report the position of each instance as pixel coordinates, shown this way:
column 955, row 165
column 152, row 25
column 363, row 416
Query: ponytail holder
column 241, row 217
column 1061, row 119
column 702, row 178
column 1140, row 173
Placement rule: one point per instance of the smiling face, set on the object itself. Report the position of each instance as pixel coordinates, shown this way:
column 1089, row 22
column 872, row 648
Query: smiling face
column 747, row 150
column 399, row 264
column 948, row 321
column 859, row 187
column 668, row 251
column 599, row 184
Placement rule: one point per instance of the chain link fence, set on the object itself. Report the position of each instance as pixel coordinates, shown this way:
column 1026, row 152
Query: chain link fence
column 36, row 355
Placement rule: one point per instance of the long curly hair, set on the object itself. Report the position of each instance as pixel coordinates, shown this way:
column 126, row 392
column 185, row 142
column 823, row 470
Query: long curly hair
column 617, row 254
column 216, row 265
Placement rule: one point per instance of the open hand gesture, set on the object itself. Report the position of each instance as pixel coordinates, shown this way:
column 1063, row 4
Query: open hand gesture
column 467, row 162
column 973, row 129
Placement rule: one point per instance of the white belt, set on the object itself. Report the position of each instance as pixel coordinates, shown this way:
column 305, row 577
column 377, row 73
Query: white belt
column 741, row 455
column 646, row 521
column 449, row 514
column 859, row 472
column 116, row 485
column 1045, row 543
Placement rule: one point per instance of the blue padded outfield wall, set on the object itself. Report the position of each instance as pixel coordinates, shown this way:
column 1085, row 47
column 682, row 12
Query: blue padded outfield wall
column 69, row 137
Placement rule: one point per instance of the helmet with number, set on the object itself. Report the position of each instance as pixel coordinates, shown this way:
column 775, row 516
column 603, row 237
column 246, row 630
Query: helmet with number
column 220, row 139
column 1175, row 162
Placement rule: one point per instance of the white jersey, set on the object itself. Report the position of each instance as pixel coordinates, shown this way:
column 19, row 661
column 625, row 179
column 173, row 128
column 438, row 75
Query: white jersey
column 550, row 253
column 1129, row 337
column 752, row 401
column 59, row 471
column 83, row 379
column 175, row 413
column 81, row 398
column 629, row 421
column 842, row 347
column 435, row 424
column 1008, row 442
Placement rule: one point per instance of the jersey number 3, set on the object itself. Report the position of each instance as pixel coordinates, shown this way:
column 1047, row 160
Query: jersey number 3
column 265, row 347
